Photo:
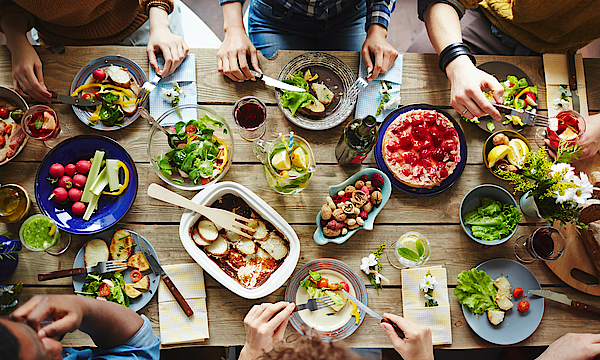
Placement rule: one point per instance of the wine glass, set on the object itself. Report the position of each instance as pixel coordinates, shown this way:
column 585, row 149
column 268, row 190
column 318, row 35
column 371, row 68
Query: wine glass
column 546, row 243
column 40, row 233
column 41, row 123
column 571, row 127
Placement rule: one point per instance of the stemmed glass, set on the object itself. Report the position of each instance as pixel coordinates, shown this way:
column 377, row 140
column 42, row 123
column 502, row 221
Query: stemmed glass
column 571, row 127
column 546, row 243
column 40, row 122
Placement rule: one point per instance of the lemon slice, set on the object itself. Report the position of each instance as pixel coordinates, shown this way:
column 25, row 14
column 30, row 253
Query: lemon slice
column 520, row 149
column 281, row 161
column 300, row 158
column 568, row 135
column 415, row 243
column 497, row 153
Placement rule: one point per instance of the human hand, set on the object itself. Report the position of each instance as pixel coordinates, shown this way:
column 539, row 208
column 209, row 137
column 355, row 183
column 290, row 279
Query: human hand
column 417, row 343
column 28, row 79
column 589, row 141
column 264, row 329
column 468, row 83
column 573, row 347
column 383, row 53
column 232, row 58
column 173, row 48
column 67, row 311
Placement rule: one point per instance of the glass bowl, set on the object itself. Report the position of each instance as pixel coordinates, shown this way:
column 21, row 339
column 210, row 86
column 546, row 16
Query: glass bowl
column 159, row 146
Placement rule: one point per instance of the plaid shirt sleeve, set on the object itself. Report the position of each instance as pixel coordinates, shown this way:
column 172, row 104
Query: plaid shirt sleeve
column 379, row 12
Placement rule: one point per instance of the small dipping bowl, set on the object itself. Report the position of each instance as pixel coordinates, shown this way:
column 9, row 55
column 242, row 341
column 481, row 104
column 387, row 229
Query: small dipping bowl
column 488, row 145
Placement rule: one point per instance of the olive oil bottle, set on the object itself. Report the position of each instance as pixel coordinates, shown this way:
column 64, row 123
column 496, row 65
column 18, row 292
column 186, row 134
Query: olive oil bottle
column 357, row 140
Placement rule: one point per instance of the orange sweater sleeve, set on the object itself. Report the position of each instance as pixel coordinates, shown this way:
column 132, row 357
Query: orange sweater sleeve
column 8, row 7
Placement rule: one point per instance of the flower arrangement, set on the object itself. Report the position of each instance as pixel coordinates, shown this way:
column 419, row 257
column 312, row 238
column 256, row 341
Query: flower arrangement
column 559, row 193
column 371, row 266
column 427, row 284
column 173, row 96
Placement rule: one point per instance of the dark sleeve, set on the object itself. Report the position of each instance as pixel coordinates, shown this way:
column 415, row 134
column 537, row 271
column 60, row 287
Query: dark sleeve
column 7, row 7
column 422, row 6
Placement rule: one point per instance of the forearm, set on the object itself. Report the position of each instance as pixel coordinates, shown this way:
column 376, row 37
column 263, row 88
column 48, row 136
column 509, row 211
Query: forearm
column 232, row 15
column 443, row 26
column 379, row 13
column 15, row 28
column 158, row 19
column 109, row 324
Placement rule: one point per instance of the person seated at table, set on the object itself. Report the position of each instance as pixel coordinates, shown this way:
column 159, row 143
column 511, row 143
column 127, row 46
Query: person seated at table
column 117, row 330
column 96, row 22
column 305, row 25
column 499, row 27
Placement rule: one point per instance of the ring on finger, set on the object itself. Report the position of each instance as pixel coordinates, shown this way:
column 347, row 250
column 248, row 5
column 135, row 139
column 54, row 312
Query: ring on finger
column 464, row 112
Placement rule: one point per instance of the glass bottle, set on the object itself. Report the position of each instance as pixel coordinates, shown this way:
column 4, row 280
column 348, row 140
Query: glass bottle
column 357, row 140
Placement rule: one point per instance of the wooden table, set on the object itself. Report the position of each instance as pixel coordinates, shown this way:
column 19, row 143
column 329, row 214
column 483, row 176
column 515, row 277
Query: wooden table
column 434, row 216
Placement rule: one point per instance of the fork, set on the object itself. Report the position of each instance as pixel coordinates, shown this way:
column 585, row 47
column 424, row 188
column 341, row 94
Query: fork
column 147, row 89
column 101, row 268
column 315, row 304
column 528, row 117
column 357, row 87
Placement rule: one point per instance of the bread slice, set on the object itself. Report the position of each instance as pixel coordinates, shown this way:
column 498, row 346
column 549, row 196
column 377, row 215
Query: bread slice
column 138, row 261
column 143, row 284
column 324, row 95
column 121, row 246
column 503, row 295
column 95, row 250
column 495, row 316
column 131, row 291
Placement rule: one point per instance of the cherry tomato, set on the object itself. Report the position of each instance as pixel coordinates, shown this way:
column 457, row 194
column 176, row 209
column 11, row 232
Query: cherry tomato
column 311, row 279
column 523, row 305
column 4, row 113
column 345, row 285
column 190, row 129
column 334, row 286
column 104, row 290
column 97, row 94
column 87, row 96
column 323, row 283
column 517, row 293
column 136, row 275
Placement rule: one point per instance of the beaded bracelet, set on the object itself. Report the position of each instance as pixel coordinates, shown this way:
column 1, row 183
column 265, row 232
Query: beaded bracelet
column 451, row 52
column 166, row 5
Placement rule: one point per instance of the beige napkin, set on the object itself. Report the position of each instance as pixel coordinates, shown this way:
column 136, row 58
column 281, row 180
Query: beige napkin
column 556, row 73
column 437, row 318
column 175, row 327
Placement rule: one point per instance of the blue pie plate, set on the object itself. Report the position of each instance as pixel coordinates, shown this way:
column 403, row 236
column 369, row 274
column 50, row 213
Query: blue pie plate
column 449, row 181
column 110, row 208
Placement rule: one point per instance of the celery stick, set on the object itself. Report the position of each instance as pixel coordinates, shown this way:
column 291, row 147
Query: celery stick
column 112, row 166
column 91, row 207
column 92, row 175
column 100, row 183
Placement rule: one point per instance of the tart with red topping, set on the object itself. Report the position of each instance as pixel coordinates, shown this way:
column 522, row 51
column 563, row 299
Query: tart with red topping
column 421, row 148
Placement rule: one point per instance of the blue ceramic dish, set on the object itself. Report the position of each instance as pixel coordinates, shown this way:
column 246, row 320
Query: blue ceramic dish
column 386, row 191
column 449, row 181
column 110, row 208
column 472, row 201
column 84, row 73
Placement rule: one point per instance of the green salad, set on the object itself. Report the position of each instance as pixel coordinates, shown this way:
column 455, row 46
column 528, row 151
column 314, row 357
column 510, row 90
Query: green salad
column 492, row 220
column 294, row 100
column 318, row 286
column 110, row 286
column 476, row 291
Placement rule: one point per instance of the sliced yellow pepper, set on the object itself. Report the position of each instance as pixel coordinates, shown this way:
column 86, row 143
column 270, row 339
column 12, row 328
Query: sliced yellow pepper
column 95, row 116
column 355, row 312
column 225, row 153
column 123, row 186
column 518, row 96
column 102, row 87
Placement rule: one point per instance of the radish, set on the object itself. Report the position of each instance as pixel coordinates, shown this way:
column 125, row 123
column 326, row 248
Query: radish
column 530, row 98
column 56, row 170
column 75, row 194
column 99, row 74
column 70, row 170
column 65, row 182
column 83, row 166
column 59, row 195
column 78, row 208
column 79, row 180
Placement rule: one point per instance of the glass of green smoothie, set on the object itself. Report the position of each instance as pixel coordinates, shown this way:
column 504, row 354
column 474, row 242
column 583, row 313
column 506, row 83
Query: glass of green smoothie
column 40, row 233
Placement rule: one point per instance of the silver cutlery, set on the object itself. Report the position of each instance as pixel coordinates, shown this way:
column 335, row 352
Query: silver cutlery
column 147, row 89
column 315, row 304
column 527, row 117
column 101, row 268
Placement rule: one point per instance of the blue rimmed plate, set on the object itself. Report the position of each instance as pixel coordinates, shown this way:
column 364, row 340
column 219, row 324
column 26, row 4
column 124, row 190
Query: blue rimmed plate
column 86, row 71
column 134, row 304
column 449, row 181
column 110, row 208
column 330, row 328
column 517, row 326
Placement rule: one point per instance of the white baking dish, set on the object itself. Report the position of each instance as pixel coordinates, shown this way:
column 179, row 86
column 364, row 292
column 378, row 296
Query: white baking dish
column 206, row 197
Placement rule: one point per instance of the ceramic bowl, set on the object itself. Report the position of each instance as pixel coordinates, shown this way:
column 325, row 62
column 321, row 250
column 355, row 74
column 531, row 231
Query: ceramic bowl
column 386, row 191
column 488, row 145
column 472, row 201
column 11, row 96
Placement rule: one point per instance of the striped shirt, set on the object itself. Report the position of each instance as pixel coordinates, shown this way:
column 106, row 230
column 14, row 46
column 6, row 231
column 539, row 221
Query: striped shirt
column 378, row 11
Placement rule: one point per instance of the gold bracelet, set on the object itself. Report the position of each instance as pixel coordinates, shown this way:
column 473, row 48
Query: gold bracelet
column 166, row 5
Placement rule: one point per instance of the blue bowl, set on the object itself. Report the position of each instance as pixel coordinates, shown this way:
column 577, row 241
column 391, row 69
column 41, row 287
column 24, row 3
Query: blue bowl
column 449, row 181
column 386, row 191
column 110, row 208
column 472, row 201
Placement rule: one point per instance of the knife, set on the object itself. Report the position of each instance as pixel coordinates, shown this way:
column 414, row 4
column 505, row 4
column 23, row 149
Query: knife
column 563, row 299
column 374, row 314
column 157, row 269
column 573, row 80
column 275, row 83
column 77, row 101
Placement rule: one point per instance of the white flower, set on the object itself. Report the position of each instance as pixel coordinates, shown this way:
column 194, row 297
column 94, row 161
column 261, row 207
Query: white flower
column 392, row 103
column 170, row 95
column 560, row 104
column 368, row 262
column 554, row 168
column 584, row 190
column 427, row 283
column 564, row 195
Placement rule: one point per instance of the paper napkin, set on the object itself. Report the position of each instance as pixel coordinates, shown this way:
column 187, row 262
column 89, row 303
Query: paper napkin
column 370, row 97
column 437, row 318
column 175, row 327
column 556, row 73
column 185, row 76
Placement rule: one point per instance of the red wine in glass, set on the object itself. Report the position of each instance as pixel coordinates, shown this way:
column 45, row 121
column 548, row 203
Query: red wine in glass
column 542, row 243
column 250, row 114
column 546, row 243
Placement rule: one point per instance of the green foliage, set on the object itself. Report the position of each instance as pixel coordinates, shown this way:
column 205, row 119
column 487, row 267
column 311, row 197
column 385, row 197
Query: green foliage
column 476, row 291
column 371, row 276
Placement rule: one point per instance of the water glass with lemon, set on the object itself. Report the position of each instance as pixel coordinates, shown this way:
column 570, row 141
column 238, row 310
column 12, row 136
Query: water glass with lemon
column 410, row 250
column 288, row 162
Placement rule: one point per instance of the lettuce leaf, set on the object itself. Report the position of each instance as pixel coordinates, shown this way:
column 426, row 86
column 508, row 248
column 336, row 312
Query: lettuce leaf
column 337, row 299
column 493, row 220
column 476, row 291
